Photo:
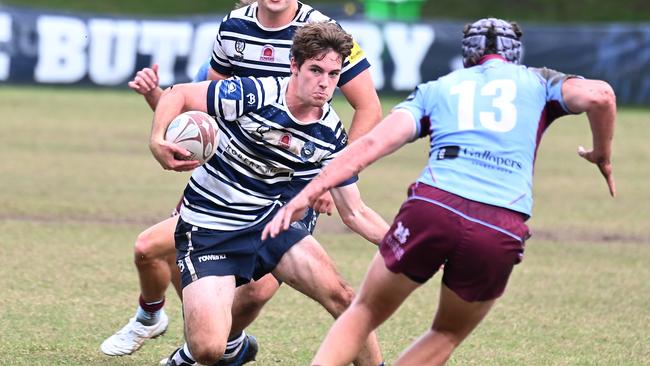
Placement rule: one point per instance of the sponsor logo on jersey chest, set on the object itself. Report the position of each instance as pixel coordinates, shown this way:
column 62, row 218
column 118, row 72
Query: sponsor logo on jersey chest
column 268, row 54
column 285, row 141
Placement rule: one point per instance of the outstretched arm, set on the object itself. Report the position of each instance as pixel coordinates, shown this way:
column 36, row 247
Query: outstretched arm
column 357, row 216
column 597, row 99
column 174, row 101
column 393, row 132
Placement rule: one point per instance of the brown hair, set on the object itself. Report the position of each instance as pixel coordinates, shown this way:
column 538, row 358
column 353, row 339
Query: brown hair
column 316, row 39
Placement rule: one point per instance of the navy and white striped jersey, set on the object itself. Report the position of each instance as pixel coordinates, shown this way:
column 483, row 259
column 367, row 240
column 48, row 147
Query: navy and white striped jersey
column 246, row 48
column 265, row 155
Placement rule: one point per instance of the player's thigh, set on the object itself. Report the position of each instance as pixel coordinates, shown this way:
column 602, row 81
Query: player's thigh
column 307, row 268
column 257, row 292
column 383, row 291
column 457, row 315
column 157, row 241
column 207, row 305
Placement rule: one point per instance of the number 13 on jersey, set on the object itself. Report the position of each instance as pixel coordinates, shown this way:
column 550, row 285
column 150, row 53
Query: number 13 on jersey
column 500, row 94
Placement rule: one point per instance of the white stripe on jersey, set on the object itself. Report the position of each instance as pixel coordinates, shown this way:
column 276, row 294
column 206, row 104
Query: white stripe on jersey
column 236, row 194
column 244, row 47
column 243, row 36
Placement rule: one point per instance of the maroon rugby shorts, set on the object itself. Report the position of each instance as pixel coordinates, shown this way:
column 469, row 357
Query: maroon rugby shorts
column 479, row 244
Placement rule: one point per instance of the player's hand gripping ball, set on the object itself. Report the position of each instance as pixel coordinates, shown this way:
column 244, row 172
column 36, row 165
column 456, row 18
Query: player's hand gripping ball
column 195, row 131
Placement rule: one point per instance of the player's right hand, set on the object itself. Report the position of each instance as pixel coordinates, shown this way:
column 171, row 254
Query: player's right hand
column 605, row 167
column 292, row 211
column 324, row 204
column 170, row 156
column 145, row 80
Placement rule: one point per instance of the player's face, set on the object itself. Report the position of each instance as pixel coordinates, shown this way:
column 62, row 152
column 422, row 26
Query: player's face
column 276, row 6
column 316, row 79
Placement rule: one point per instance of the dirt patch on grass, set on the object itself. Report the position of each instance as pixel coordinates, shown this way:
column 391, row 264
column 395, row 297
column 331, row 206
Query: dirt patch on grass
column 329, row 226
column 333, row 226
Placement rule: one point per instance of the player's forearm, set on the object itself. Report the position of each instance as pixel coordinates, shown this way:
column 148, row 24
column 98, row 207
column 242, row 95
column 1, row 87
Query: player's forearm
column 367, row 223
column 170, row 105
column 393, row 132
column 153, row 98
column 350, row 162
column 602, row 120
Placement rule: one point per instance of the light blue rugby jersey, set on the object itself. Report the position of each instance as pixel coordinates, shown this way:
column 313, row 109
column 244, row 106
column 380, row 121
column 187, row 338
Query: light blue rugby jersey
column 264, row 156
column 246, row 48
column 202, row 72
column 485, row 124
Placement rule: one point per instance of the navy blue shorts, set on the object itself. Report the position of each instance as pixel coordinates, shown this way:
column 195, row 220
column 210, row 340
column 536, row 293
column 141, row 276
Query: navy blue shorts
column 202, row 252
column 309, row 219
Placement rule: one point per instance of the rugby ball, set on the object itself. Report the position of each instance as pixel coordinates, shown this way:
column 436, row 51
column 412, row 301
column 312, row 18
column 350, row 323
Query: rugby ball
column 195, row 131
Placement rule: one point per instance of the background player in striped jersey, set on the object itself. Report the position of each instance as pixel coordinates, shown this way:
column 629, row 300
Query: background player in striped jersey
column 469, row 206
column 275, row 135
column 265, row 25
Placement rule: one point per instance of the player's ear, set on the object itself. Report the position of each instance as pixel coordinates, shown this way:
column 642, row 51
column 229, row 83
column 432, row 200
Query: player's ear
column 294, row 66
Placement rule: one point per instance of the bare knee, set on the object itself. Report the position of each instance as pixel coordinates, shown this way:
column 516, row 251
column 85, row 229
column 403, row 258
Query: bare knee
column 207, row 352
column 340, row 299
column 452, row 337
column 143, row 251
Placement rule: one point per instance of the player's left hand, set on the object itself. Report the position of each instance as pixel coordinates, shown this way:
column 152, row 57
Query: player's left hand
column 324, row 204
column 171, row 156
column 146, row 80
column 604, row 165
column 292, row 211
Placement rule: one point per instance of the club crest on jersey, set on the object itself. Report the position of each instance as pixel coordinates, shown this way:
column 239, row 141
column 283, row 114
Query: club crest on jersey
column 268, row 53
column 181, row 265
column 240, row 45
column 285, row 141
column 307, row 150
column 401, row 233
column 258, row 134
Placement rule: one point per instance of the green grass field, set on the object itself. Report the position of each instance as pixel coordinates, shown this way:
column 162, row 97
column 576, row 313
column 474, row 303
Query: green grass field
column 78, row 184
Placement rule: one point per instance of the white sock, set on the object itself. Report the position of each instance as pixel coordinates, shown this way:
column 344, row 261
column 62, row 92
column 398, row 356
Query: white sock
column 183, row 357
column 234, row 346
